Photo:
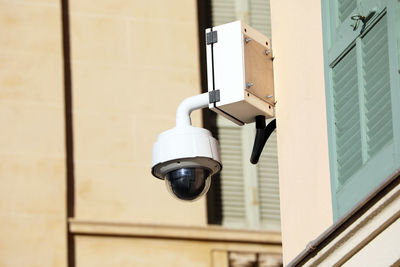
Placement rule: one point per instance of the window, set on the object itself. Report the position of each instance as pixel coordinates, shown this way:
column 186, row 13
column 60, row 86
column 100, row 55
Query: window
column 249, row 194
column 363, row 96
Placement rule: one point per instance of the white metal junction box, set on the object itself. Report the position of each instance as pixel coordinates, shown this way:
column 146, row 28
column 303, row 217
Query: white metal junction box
column 240, row 70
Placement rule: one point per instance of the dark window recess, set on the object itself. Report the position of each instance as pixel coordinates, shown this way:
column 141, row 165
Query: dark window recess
column 214, row 202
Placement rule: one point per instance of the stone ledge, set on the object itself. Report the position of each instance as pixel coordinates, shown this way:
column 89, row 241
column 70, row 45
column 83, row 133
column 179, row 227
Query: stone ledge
column 357, row 233
column 210, row 233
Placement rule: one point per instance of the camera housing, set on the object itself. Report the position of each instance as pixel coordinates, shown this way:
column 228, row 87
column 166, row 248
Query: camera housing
column 186, row 157
column 240, row 68
column 240, row 88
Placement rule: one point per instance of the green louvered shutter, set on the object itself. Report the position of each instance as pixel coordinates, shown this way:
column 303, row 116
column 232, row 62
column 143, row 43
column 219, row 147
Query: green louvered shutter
column 268, row 185
column 362, row 89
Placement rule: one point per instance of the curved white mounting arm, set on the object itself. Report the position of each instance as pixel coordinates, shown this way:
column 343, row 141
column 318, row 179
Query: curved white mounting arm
column 187, row 106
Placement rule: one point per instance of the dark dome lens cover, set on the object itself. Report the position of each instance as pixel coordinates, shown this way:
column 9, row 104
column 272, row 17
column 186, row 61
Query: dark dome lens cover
column 188, row 183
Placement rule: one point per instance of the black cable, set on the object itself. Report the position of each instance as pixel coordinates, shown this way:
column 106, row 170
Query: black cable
column 262, row 134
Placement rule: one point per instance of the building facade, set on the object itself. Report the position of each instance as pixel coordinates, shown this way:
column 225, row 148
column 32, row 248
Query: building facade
column 85, row 89
column 337, row 86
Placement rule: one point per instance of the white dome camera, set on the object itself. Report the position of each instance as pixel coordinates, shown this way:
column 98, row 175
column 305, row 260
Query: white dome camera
column 186, row 157
column 240, row 88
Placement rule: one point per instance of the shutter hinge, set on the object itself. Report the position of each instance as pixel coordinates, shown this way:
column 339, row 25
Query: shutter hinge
column 211, row 37
column 213, row 96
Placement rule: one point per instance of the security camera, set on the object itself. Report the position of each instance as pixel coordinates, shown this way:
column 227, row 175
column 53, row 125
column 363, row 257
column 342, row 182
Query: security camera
column 186, row 157
column 240, row 88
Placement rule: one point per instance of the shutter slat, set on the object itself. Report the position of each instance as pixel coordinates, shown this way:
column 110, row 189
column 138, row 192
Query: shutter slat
column 259, row 16
column 350, row 139
column 372, row 58
column 271, row 186
column 352, row 151
column 381, row 132
column 342, row 106
column 378, row 109
column 377, row 37
column 377, row 94
column 385, row 119
column 343, row 76
column 373, row 69
column 268, row 184
column 269, row 164
column 386, row 138
column 223, row 11
column 345, row 7
column 237, row 184
column 348, row 128
column 232, row 184
column 349, row 169
column 347, row 117
column 269, row 215
column 343, row 84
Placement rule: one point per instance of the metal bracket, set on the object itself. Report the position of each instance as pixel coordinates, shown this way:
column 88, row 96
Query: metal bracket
column 211, row 37
column 214, row 96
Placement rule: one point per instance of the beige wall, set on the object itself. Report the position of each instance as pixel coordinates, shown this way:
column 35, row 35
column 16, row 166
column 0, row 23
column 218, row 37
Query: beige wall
column 132, row 64
column 113, row 244
column 301, row 120
column 120, row 251
column 32, row 154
